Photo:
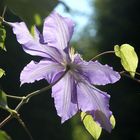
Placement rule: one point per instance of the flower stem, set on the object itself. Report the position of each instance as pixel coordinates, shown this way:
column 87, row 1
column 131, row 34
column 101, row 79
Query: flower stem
column 103, row 53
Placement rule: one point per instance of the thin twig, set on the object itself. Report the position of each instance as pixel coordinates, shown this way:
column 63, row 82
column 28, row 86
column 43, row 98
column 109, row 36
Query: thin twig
column 124, row 73
column 25, row 100
column 5, row 22
column 15, row 97
column 137, row 73
column 103, row 53
column 4, row 11
column 29, row 96
column 7, row 119
column 25, row 127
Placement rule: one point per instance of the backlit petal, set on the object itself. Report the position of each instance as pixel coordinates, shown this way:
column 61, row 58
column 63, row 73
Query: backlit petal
column 57, row 31
column 43, row 70
column 99, row 74
column 32, row 45
column 93, row 100
column 65, row 99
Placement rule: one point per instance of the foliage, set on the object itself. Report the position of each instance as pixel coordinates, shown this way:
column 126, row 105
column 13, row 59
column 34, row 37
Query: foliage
column 92, row 127
column 129, row 58
column 3, row 100
column 36, row 10
column 113, row 121
column 2, row 37
column 116, row 22
column 4, row 135
column 2, row 72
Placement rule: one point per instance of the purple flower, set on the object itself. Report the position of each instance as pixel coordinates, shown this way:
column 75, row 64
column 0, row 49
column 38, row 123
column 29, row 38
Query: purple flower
column 75, row 91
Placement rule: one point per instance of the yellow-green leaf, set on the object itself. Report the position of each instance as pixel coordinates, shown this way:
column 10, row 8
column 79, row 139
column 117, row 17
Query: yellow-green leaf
column 112, row 121
column 32, row 11
column 129, row 58
column 4, row 135
column 3, row 100
column 2, row 72
column 92, row 127
column 2, row 37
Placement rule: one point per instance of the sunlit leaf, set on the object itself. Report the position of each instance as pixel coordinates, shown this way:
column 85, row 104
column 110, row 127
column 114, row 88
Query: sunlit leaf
column 3, row 100
column 32, row 11
column 2, row 72
column 112, row 121
column 92, row 127
column 4, row 135
column 2, row 37
column 129, row 58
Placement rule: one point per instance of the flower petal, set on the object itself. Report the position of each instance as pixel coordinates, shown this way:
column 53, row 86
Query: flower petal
column 32, row 45
column 57, row 31
column 99, row 74
column 42, row 70
column 91, row 99
column 64, row 94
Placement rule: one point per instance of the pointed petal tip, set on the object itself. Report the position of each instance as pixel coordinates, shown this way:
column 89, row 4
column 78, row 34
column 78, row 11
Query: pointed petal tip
column 58, row 30
column 96, row 102
column 64, row 94
column 21, row 83
column 66, row 118
column 99, row 74
column 114, row 75
column 63, row 120
column 103, row 120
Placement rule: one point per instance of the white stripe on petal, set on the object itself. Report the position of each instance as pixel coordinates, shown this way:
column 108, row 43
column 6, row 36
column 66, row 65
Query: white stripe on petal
column 99, row 74
column 42, row 70
column 57, row 31
column 33, row 45
column 93, row 100
column 63, row 92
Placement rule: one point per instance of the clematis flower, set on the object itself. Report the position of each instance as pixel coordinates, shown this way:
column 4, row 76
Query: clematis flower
column 75, row 91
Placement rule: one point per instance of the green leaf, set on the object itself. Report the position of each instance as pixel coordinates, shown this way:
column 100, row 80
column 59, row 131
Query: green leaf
column 2, row 72
column 92, row 127
column 2, row 37
column 4, row 135
column 129, row 58
column 3, row 100
column 32, row 11
column 112, row 121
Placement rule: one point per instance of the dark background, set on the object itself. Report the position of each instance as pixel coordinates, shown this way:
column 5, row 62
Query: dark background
column 115, row 22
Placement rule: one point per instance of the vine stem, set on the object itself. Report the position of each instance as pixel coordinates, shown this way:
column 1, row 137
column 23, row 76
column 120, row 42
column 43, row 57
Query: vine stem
column 26, row 99
column 5, row 22
column 25, row 127
column 103, row 53
column 15, row 97
column 37, row 92
column 124, row 73
column 4, row 11
column 137, row 73
column 7, row 119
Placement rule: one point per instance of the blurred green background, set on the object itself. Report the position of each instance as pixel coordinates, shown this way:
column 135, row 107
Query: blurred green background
column 112, row 22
